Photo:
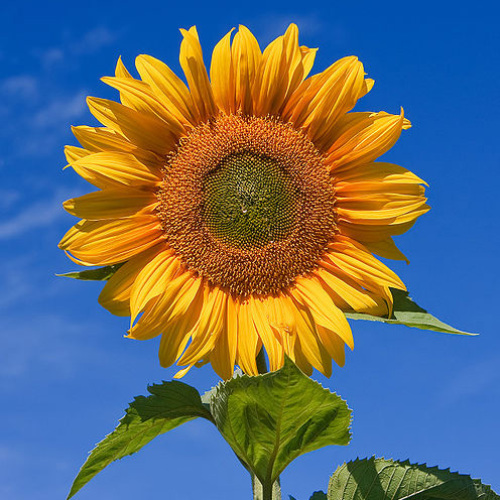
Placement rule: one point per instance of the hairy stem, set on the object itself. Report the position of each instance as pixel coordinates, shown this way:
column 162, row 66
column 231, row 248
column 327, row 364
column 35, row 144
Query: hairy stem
column 264, row 491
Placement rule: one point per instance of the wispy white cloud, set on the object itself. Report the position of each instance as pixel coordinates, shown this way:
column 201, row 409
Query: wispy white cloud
column 38, row 215
column 8, row 197
column 87, row 43
column 16, row 284
column 60, row 111
column 93, row 40
column 48, row 342
column 36, row 109
column 44, row 118
column 20, row 86
column 471, row 381
column 51, row 57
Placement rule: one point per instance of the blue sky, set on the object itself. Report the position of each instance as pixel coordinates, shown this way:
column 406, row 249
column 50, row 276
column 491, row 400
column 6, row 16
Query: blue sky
column 66, row 373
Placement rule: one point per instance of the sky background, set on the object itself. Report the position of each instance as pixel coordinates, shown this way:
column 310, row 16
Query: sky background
column 67, row 373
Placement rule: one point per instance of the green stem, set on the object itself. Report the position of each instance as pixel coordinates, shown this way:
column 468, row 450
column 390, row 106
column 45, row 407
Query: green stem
column 264, row 491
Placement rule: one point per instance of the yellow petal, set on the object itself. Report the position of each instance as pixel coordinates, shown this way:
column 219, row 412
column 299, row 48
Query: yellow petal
column 246, row 57
column 101, row 243
column 308, row 57
column 387, row 249
column 281, row 72
column 174, row 340
column 377, row 213
column 144, row 131
column 356, row 261
column 152, row 281
column 177, row 334
column 361, row 138
column 116, row 170
column 141, row 98
column 263, row 314
column 382, row 172
column 122, row 72
column 319, row 103
column 222, row 76
column 115, row 296
column 334, row 345
column 111, row 204
column 223, row 356
column 191, row 59
column 369, row 233
column 300, row 360
column 101, row 139
column 378, row 194
column 74, row 153
column 249, row 343
column 307, row 336
column 323, row 309
column 211, row 324
column 181, row 304
column 157, row 316
column 341, row 287
column 167, row 86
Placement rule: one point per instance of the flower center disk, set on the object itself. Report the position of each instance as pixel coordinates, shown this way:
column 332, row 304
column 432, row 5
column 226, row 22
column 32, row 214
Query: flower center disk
column 247, row 203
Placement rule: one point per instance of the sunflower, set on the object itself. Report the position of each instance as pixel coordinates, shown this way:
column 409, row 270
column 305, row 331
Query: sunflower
column 245, row 208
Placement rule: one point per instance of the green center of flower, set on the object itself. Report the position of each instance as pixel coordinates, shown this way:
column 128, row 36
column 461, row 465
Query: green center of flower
column 250, row 201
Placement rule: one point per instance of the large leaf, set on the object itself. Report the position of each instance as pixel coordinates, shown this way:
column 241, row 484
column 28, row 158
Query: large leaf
column 271, row 419
column 380, row 479
column 170, row 405
column 406, row 312
column 317, row 495
column 99, row 274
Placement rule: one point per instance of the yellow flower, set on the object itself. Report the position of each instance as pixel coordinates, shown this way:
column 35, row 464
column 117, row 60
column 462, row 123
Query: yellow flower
column 246, row 207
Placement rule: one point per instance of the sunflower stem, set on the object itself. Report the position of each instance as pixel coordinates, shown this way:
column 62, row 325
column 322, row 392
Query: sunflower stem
column 266, row 491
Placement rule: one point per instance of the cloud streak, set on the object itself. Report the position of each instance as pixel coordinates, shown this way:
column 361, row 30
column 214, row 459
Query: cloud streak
column 19, row 86
column 48, row 342
column 61, row 110
column 40, row 214
column 93, row 41
column 471, row 381
column 40, row 104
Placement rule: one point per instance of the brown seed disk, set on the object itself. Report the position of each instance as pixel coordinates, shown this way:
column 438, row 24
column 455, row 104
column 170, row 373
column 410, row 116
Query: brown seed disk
column 304, row 223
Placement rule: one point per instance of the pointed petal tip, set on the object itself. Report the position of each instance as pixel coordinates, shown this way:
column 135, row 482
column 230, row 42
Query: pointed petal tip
column 191, row 31
column 183, row 372
column 69, row 204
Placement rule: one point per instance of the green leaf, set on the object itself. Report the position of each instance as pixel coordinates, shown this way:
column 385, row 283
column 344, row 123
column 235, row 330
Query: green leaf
column 379, row 479
column 170, row 405
column 99, row 274
column 319, row 495
column 406, row 312
column 271, row 419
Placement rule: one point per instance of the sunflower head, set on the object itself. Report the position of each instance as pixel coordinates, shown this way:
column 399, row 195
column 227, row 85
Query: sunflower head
column 245, row 206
